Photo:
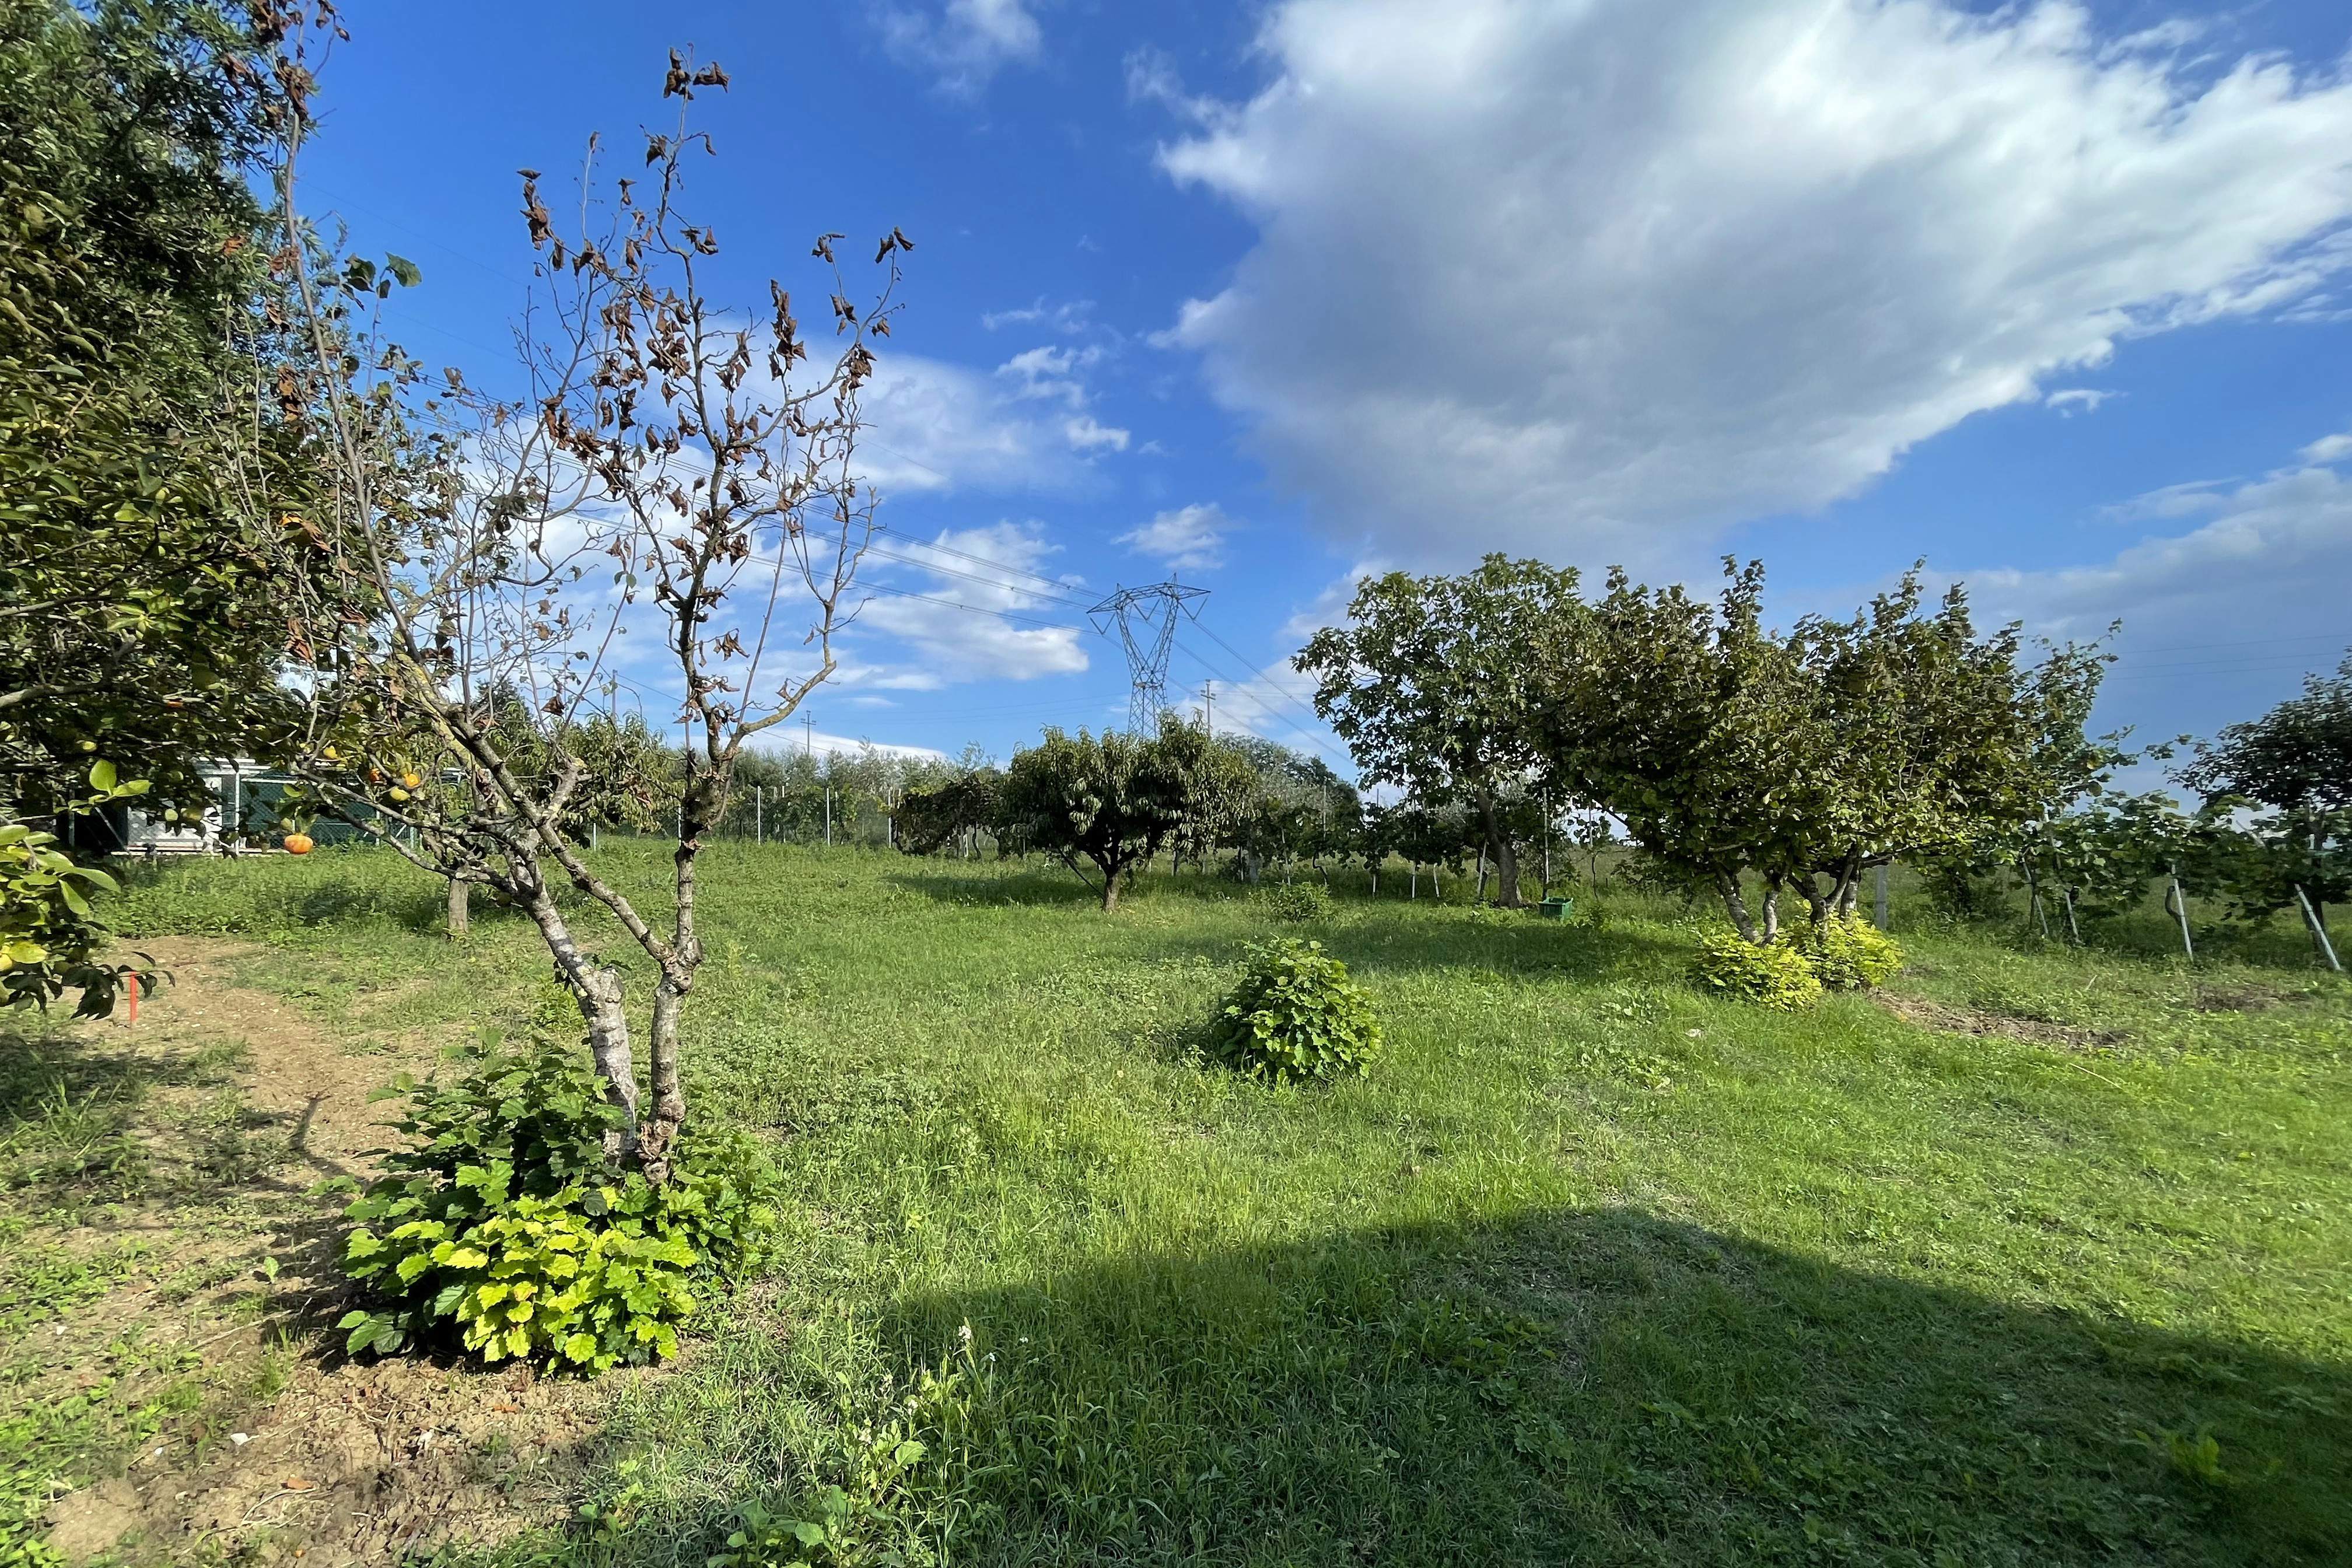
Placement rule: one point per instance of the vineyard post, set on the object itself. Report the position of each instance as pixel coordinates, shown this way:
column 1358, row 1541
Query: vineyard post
column 2179, row 902
column 2318, row 929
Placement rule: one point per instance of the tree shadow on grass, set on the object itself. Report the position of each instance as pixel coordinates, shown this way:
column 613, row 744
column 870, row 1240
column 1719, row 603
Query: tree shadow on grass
column 1580, row 1386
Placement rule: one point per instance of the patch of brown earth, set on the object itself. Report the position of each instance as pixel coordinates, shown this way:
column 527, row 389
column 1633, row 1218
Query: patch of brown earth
column 349, row 1463
column 289, row 1450
column 2235, row 999
column 300, row 1080
column 1954, row 1019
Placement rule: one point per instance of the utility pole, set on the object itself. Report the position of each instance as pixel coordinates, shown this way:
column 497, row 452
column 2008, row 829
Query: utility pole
column 1209, row 707
column 808, row 731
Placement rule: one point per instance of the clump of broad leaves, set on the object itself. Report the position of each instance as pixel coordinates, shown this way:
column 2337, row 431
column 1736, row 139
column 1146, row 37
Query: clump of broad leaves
column 502, row 1225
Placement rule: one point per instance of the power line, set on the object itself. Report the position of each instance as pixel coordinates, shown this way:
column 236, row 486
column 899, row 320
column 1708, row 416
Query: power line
column 975, row 609
column 973, row 577
column 2254, row 642
column 1003, row 566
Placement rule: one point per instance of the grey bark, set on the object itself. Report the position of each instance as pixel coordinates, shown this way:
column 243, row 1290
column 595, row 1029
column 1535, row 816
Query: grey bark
column 1735, row 903
column 597, row 990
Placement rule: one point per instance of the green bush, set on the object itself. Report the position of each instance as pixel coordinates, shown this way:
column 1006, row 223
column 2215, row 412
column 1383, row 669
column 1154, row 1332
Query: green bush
column 1776, row 974
column 1848, row 954
column 1295, row 1014
column 500, row 1223
column 1299, row 901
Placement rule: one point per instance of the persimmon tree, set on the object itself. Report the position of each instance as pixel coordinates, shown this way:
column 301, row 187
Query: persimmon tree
column 134, row 623
column 671, row 470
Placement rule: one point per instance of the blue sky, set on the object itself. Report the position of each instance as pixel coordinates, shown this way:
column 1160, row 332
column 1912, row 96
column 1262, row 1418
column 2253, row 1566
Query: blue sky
column 2057, row 298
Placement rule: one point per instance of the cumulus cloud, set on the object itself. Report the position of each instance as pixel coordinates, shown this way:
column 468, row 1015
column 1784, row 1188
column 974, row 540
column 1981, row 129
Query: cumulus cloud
column 1601, row 278
column 1188, row 538
column 965, row 42
column 940, row 426
column 2217, row 622
column 965, row 604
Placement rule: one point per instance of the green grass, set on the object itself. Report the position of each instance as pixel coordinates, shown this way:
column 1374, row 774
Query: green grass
column 1589, row 1268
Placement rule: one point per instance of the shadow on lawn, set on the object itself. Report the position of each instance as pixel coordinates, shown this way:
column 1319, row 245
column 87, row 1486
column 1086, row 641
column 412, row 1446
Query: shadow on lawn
column 1586, row 1386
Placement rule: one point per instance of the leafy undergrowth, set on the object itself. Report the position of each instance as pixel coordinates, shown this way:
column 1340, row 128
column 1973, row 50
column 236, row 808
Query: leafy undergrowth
column 1596, row 1268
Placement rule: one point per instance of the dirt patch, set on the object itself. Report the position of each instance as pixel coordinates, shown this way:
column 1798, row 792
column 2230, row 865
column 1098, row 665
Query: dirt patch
column 348, row 1465
column 296, row 1077
column 1954, row 1019
column 219, row 1284
column 2235, row 999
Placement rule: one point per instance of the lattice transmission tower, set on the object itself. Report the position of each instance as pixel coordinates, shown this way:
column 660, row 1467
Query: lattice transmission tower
column 1147, row 619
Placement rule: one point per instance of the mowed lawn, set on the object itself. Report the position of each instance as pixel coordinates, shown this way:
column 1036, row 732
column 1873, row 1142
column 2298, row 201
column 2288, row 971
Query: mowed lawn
column 1590, row 1267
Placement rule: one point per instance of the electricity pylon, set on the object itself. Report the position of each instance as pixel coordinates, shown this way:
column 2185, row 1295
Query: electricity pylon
column 1147, row 619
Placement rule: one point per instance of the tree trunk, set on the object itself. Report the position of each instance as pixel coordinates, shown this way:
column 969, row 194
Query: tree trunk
column 1735, row 903
column 1110, row 887
column 660, row 1137
column 597, row 990
column 1771, row 909
column 1506, row 862
column 460, row 907
column 1817, row 903
column 661, row 1129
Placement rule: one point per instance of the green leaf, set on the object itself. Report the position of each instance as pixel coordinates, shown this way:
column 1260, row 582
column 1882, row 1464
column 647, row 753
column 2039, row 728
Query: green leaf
column 404, row 269
column 101, row 777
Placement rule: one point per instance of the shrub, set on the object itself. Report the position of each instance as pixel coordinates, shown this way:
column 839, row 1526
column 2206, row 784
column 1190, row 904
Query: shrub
column 1295, row 1014
column 1776, row 974
column 500, row 1223
column 1849, row 954
column 1300, row 901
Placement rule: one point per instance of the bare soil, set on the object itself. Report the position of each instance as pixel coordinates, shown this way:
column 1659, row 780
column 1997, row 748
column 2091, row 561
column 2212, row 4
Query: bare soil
column 1954, row 1019
column 292, row 1451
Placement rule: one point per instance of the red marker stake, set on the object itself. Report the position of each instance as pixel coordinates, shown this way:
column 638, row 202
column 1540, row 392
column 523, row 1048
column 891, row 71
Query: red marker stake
column 134, row 1001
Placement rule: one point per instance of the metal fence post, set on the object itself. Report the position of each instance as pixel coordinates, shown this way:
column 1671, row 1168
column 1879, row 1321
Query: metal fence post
column 2318, row 928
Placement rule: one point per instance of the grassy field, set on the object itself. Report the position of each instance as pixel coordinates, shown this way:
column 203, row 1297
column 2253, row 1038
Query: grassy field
column 2049, row 1267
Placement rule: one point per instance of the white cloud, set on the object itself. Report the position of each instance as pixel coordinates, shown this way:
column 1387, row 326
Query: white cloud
column 990, row 572
column 2217, row 622
column 2328, row 449
column 2073, row 400
column 1084, row 435
column 1608, row 275
column 965, row 41
column 1189, row 537
column 940, row 426
column 821, row 744
column 1072, row 316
